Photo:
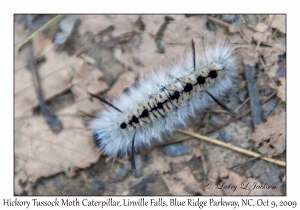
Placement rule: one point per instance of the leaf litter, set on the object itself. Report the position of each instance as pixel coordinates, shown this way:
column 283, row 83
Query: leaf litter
column 39, row 152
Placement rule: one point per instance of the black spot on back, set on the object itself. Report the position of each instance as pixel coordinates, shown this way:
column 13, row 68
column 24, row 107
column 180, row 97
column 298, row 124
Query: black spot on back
column 123, row 125
column 188, row 87
column 135, row 119
column 201, row 80
column 145, row 113
column 175, row 95
column 213, row 74
column 160, row 105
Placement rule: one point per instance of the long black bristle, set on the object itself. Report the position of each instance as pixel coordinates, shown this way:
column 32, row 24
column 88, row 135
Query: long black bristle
column 218, row 102
column 133, row 168
column 194, row 53
column 104, row 101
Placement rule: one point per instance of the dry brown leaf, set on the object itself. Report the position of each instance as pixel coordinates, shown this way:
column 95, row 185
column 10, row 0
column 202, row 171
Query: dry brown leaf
column 153, row 23
column 224, row 182
column 281, row 89
column 126, row 80
column 38, row 151
column 176, row 43
column 279, row 22
column 264, row 38
column 97, row 23
column 247, row 33
column 192, row 28
column 271, row 59
column 93, row 23
column 147, row 51
column 261, row 27
column 263, row 33
column 182, row 183
column 122, row 24
column 55, row 76
column 273, row 85
column 250, row 57
column 52, row 85
column 270, row 136
column 45, row 153
column 270, row 56
column 273, row 70
column 41, row 45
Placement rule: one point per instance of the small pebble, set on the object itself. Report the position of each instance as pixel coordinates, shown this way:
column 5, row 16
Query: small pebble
column 174, row 150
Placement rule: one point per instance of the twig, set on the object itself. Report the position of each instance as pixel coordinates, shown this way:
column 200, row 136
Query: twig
column 240, row 116
column 204, row 164
column 242, row 18
column 267, row 72
column 264, row 33
column 206, row 124
column 44, row 27
column 253, row 94
column 234, row 111
column 232, row 147
column 216, row 20
column 53, row 122
column 231, row 27
column 240, row 106
column 242, row 164
column 202, row 121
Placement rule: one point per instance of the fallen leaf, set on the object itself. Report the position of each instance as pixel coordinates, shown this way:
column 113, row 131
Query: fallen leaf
column 279, row 22
column 282, row 89
column 46, row 153
column 264, row 38
column 98, row 23
column 270, row 136
column 93, row 23
column 261, row 27
column 247, row 33
column 126, row 80
column 182, row 183
column 38, row 151
column 250, row 57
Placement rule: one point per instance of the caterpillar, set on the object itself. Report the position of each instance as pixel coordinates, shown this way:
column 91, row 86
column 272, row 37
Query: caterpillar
column 163, row 101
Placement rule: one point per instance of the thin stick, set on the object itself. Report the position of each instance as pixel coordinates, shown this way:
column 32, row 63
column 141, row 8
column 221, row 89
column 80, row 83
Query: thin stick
column 267, row 72
column 234, row 111
column 232, row 147
column 264, row 33
column 44, row 27
column 54, row 123
column 223, row 111
column 242, row 164
column 216, row 20
column 239, row 116
column 204, row 164
column 205, row 119
column 240, row 106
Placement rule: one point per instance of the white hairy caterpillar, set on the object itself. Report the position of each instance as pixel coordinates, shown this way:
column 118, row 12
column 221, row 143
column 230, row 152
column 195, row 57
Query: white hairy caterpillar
column 164, row 101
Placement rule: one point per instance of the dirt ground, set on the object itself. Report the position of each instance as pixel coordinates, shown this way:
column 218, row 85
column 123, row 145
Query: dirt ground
column 106, row 54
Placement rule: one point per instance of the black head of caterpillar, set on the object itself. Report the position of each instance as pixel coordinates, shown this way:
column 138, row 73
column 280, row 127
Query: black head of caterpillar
column 164, row 101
